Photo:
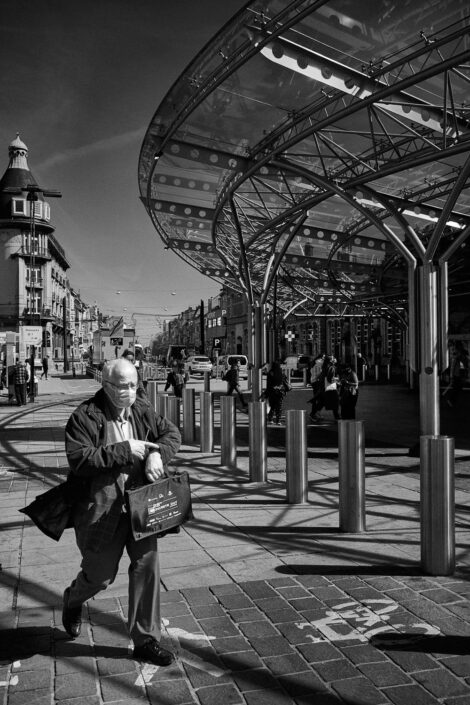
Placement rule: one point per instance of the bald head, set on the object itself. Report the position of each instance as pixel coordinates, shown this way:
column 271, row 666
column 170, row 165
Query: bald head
column 119, row 371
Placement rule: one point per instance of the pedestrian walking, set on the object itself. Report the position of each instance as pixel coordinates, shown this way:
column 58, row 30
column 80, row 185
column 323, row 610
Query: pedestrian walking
column 20, row 381
column 277, row 386
column 232, row 377
column 349, row 392
column 318, row 388
column 141, row 391
column 115, row 441
column 331, row 381
column 458, row 371
column 361, row 367
column 45, row 366
column 176, row 379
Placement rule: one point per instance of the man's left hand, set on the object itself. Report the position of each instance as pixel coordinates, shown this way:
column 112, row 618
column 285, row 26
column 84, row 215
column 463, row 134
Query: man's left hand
column 154, row 466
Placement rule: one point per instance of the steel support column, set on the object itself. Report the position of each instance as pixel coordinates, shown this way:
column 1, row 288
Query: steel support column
column 259, row 349
column 443, row 316
column 251, row 345
column 428, row 347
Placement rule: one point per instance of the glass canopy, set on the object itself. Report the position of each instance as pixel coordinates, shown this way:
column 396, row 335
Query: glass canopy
column 323, row 145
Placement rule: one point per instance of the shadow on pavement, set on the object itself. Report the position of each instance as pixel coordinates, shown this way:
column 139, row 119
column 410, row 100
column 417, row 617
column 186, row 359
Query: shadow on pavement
column 437, row 645
column 406, row 567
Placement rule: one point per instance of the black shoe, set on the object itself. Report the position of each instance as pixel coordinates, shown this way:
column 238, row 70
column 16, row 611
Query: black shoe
column 151, row 652
column 71, row 617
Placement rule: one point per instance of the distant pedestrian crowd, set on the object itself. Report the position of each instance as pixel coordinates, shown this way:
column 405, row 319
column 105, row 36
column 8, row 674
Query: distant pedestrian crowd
column 335, row 388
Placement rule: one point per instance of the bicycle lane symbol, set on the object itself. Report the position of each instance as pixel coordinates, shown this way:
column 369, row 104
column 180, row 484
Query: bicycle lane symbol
column 348, row 621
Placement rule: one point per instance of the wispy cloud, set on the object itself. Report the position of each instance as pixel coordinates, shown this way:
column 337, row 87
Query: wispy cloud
column 108, row 144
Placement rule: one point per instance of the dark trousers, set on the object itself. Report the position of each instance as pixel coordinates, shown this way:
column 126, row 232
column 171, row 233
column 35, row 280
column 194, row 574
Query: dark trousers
column 332, row 402
column 99, row 569
column 235, row 388
column 348, row 406
column 20, row 393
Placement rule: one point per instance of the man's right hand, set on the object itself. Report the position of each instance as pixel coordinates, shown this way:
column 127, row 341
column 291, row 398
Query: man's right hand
column 139, row 449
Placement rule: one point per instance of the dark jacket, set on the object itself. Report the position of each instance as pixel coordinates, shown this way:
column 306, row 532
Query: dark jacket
column 277, row 386
column 232, row 377
column 99, row 509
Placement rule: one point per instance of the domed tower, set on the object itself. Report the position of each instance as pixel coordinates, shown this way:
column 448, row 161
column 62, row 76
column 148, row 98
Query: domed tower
column 32, row 263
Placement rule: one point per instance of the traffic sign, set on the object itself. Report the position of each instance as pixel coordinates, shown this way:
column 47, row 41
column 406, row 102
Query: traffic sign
column 31, row 335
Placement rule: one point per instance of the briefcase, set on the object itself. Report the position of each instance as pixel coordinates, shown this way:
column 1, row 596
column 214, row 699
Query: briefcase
column 160, row 507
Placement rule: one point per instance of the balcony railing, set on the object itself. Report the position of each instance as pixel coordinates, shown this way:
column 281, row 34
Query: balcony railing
column 43, row 312
column 27, row 249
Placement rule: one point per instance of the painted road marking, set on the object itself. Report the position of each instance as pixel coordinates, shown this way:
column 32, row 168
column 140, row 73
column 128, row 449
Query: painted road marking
column 350, row 620
column 13, row 681
column 178, row 636
column 146, row 675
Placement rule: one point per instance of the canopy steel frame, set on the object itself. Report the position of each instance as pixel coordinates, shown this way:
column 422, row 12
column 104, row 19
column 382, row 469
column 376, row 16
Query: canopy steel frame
column 353, row 133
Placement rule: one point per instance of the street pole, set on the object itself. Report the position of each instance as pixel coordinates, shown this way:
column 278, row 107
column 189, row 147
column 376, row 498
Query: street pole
column 202, row 329
column 31, row 198
column 64, row 325
column 31, row 364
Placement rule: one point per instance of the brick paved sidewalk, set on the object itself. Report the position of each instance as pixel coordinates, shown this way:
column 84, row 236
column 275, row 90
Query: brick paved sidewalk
column 294, row 639
column 265, row 603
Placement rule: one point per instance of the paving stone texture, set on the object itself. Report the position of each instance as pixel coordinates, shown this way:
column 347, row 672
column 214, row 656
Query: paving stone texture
column 264, row 602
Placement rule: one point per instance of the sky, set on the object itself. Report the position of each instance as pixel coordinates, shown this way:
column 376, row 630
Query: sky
column 80, row 81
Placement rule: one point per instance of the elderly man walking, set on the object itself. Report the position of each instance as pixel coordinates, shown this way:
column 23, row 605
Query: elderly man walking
column 115, row 441
column 20, row 379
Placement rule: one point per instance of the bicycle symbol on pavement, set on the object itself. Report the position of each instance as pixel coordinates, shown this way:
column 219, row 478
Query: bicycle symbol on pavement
column 352, row 621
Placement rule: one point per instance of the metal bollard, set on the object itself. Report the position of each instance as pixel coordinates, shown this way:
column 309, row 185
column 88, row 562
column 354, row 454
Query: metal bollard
column 305, row 372
column 161, row 404
column 206, row 422
column 189, row 416
column 152, row 390
column 352, row 515
column 228, row 444
column 258, row 459
column 207, row 381
column 437, row 505
column 296, row 456
column 388, row 372
column 173, row 414
column 377, row 373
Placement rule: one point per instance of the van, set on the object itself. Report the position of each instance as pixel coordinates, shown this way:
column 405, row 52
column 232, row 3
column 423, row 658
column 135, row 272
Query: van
column 226, row 361
column 294, row 364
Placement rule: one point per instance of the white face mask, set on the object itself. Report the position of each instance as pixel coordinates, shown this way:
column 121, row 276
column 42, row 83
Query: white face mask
column 121, row 398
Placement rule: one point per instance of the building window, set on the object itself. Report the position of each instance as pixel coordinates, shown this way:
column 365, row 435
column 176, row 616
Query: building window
column 34, row 304
column 47, row 211
column 33, row 275
column 19, row 206
column 38, row 209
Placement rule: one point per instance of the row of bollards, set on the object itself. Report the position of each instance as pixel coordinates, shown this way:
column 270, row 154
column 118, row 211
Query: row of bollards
column 436, row 478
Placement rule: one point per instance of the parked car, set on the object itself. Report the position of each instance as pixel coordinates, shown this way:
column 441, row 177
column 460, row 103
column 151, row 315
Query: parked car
column 197, row 364
column 225, row 362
